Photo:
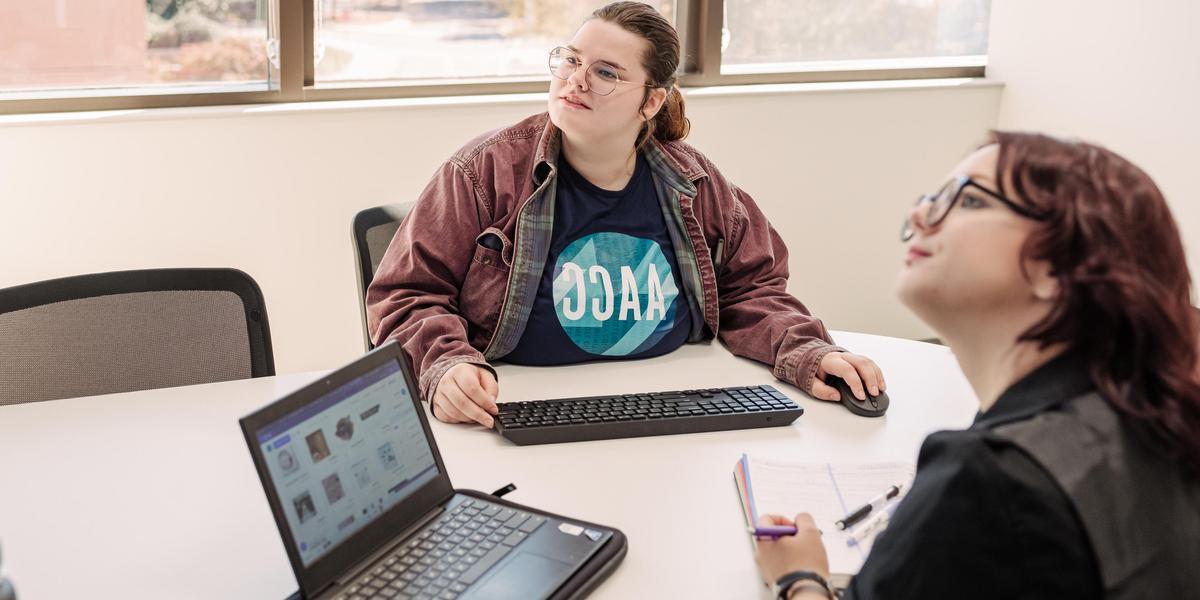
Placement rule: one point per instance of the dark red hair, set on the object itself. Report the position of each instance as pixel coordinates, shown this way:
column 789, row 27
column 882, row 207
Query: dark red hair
column 1125, row 291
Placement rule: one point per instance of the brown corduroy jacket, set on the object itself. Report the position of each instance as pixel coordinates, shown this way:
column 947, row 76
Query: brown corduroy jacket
column 458, row 280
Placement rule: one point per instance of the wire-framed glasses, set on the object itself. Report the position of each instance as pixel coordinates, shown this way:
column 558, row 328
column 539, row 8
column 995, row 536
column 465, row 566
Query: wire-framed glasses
column 600, row 77
column 938, row 205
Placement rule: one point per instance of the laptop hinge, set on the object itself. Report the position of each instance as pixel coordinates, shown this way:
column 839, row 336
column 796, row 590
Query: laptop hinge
column 357, row 571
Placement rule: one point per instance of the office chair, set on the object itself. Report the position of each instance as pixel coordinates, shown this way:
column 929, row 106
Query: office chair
column 131, row 330
column 6, row 589
column 373, row 230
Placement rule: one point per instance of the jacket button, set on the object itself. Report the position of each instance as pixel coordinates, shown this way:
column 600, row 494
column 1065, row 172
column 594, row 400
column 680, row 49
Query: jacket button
column 487, row 260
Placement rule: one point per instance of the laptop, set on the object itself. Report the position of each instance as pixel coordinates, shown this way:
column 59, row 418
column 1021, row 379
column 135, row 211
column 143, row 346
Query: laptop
column 365, row 506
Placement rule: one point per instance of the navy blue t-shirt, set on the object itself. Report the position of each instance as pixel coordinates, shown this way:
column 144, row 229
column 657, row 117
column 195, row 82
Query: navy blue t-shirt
column 611, row 287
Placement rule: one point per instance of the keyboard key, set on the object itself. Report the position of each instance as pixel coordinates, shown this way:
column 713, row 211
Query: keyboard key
column 515, row 538
column 531, row 524
column 516, row 520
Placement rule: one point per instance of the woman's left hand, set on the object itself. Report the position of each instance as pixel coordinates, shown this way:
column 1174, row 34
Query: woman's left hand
column 801, row 552
column 859, row 372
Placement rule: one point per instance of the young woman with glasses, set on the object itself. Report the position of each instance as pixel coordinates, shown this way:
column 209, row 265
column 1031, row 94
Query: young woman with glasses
column 592, row 232
column 1055, row 272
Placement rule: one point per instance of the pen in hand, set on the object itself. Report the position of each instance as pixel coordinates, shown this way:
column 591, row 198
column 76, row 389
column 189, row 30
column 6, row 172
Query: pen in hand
column 862, row 512
column 771, row 532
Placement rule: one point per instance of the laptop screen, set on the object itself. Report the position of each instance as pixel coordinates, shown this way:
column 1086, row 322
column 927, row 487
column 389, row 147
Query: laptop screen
column 340, row 462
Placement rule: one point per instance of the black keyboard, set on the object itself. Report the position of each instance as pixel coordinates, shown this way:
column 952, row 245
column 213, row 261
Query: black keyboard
column 639, row 415
column 447, row 557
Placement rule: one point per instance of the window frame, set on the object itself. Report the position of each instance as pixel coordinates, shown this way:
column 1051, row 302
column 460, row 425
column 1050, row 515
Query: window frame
column 699, row 22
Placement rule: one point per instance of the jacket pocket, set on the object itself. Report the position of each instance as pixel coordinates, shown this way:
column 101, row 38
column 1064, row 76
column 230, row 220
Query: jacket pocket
column 494, row 239
column 485, row 284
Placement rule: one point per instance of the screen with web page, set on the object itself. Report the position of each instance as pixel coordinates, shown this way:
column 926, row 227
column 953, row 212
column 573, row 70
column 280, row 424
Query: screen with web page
column 342, row 461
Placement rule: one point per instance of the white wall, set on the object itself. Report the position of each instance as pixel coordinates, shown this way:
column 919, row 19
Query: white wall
column 1118, row 73
column 272, row 191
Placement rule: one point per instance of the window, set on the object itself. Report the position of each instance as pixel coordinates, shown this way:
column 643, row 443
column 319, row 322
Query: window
column 97, row 54
column 364, row 40
column 79, row 47
column 792, row 35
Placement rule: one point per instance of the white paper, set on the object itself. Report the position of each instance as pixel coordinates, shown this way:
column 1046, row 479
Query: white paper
column 829, row 492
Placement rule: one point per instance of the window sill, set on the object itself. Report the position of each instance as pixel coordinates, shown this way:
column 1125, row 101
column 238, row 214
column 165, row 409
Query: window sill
column 249, row 110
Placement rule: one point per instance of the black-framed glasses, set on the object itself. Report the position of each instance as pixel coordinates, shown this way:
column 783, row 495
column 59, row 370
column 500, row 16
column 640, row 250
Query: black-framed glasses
column 601, row 77
column 939, row 204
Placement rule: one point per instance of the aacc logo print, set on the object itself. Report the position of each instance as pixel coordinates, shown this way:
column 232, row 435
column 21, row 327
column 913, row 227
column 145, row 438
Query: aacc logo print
column 614, row 293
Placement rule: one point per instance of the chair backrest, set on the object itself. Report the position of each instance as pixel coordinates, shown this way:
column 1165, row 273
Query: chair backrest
column 6, row 589
column 373, row 230
column 131, row 330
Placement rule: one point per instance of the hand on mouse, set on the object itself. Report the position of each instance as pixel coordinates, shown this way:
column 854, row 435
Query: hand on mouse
column 857, row 371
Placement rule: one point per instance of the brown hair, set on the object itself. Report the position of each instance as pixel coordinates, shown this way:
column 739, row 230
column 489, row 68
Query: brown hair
column 1125, row 291
column 660, row 61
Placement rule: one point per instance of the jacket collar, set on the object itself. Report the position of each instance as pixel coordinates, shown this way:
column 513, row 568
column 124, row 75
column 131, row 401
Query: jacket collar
column 1060, row 379
column 670, row 161
column 546, row 157
column 678, row 169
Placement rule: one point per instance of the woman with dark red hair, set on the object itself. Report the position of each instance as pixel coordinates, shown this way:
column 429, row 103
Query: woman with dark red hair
column 1055, row 272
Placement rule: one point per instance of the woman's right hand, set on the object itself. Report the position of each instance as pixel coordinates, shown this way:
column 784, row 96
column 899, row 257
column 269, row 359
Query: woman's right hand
column 466, row 394
column 801, row 552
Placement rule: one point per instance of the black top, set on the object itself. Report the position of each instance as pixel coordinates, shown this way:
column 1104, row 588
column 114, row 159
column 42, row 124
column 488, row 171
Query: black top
column 611, row 288
column 983, row 520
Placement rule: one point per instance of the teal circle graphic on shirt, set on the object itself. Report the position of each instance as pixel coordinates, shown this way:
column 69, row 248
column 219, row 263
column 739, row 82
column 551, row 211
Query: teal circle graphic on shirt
column 614, row 294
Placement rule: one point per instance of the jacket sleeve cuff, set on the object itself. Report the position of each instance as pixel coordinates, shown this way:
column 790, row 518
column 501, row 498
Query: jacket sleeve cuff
column 433, row 375
column 800, row 366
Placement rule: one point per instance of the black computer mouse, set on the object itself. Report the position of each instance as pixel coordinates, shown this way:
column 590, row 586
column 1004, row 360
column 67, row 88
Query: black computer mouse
column 873, row 406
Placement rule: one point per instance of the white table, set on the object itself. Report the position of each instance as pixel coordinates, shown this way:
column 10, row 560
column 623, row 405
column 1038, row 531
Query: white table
column 153, row 495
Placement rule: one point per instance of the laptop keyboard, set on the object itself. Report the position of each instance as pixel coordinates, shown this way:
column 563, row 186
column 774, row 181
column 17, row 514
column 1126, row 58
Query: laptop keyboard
column 449, row 555
column 636, row 415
